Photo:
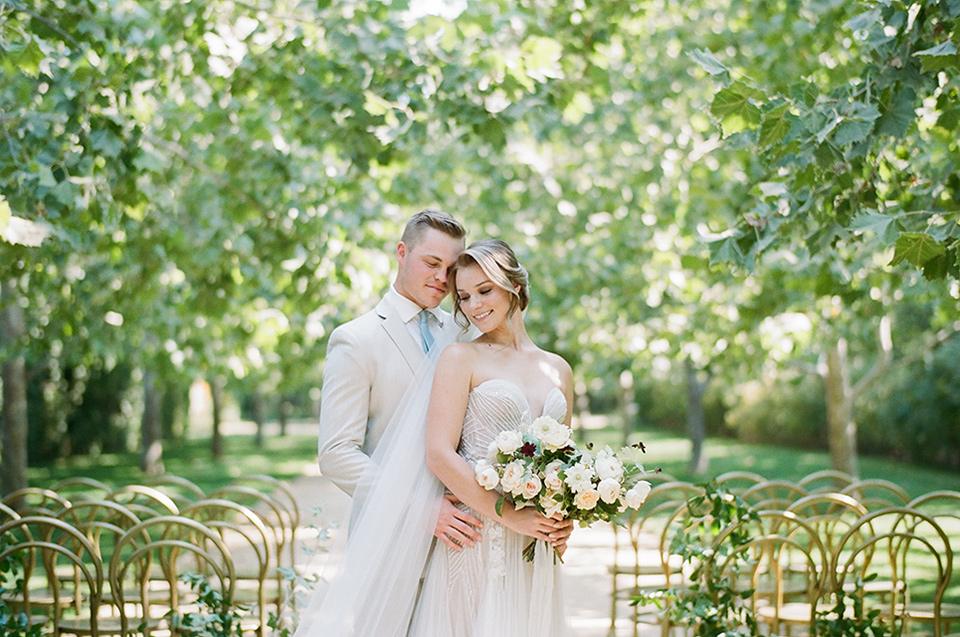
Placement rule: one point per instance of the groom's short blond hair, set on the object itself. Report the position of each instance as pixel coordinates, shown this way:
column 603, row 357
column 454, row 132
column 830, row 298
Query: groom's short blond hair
column 430, row 218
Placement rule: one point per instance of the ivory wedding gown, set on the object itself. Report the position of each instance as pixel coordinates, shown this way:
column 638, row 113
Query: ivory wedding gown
column 391, row 579
column 490, row 590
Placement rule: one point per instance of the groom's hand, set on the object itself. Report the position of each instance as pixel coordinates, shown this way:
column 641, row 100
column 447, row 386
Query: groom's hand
column 456, row 528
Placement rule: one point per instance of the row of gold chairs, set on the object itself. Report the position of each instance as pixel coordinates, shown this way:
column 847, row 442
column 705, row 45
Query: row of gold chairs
column 839, row 525
column 96, row 560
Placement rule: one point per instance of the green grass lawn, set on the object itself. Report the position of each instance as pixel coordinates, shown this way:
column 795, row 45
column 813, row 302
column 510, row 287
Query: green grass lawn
column 287, row 457
column 284, row 458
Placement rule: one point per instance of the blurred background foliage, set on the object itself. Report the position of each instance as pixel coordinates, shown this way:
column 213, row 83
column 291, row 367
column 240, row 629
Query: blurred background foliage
column 740, row 217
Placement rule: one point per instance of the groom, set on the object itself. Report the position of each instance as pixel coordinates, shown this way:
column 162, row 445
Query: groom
column 371, row 361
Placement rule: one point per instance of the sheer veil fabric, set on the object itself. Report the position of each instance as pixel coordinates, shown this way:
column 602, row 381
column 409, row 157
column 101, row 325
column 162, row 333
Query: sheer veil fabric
column 370, row 582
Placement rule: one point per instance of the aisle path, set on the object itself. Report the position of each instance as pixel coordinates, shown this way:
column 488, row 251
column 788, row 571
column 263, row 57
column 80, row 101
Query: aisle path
column 589, row 555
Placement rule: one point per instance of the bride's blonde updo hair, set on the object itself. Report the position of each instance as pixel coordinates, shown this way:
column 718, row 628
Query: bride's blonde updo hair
column 500, row 264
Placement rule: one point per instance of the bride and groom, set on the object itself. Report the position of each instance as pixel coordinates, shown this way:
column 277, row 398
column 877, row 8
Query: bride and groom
column 412, row 398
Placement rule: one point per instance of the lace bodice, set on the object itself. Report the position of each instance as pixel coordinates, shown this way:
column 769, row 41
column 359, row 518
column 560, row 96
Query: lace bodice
column 497, row 405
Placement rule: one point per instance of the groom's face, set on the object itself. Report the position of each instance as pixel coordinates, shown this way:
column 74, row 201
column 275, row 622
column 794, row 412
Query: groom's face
column 423, row 265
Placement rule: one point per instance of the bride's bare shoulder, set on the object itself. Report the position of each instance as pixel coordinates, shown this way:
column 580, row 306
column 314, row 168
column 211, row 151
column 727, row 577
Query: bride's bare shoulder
column 459, row 352
column 560, row 364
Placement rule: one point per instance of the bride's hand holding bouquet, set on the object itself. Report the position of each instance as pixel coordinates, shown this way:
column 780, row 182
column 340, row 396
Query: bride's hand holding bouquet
column 541, row 467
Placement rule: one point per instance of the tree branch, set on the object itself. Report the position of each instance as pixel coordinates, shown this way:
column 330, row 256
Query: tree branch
column 184, row 156
column 933, row 343
column 39, row 18
column 883, row 362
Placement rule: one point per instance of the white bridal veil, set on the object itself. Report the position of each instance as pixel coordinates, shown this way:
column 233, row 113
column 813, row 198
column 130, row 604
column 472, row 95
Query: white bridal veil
column 370, row 582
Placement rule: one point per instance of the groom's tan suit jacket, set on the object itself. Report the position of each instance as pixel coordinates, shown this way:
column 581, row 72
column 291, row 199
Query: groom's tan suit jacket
column 370, row 362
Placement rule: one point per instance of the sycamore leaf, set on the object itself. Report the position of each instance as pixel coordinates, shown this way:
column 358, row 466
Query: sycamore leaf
column 864, row 21
column 899, row 114
column 852, row 131
column 708, row 62
column 45, row 176
column 872, row 221
column 29, row 58
column 828, row 128
column 775, row 126
column 916, row 248
column 938, row 57
column 734, row 108
column 726, row 250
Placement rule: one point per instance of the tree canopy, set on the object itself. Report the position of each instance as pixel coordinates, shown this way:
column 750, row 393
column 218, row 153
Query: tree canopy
column 208, row 187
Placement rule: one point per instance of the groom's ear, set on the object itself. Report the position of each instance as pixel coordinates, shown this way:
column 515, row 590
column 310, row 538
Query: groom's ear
column 401, row 251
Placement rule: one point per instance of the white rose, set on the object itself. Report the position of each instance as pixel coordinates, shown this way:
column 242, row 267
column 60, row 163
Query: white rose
column 550, row 506
column 587, row 500
column 551, row 475
column 530, row 487
column 636, row 495
column 608, row 466
column 579, row 477
column 492, row 452
column 487, row 477
column 557, row 437
column 509, row 441
column 609, row 490
column 512, row 476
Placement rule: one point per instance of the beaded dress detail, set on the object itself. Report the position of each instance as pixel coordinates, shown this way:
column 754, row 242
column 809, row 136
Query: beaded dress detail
column 489, row 590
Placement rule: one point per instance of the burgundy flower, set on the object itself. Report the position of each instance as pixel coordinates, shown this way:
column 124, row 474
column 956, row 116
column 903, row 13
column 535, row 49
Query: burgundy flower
column 528, row 449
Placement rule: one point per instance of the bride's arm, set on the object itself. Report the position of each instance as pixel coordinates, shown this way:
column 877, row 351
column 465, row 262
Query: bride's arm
column 448, row 404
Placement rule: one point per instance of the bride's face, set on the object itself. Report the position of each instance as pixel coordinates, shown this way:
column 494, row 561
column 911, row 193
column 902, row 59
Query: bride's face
column 485, row 303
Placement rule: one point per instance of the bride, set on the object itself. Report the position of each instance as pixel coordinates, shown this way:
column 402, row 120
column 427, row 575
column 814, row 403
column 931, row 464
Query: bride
column 390, row 580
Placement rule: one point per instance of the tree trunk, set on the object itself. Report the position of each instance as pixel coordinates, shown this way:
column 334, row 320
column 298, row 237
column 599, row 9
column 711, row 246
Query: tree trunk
column 625, row 404
column 151, row 427
column 259, row 410
column 841, row 428
column 284, row 415
column 13, row 457
column 216, row 396
column 696, row 427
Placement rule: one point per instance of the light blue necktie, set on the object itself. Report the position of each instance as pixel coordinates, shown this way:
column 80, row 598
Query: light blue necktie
column 425, row 334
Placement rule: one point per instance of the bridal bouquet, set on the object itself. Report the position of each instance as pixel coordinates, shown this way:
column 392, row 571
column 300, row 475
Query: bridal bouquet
column 543, row 468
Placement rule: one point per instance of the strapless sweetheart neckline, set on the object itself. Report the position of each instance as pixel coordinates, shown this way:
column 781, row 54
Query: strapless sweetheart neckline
column 526, row 400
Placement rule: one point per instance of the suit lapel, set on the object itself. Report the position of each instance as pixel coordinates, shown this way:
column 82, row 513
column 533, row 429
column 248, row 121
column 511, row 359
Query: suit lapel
column 411, row 350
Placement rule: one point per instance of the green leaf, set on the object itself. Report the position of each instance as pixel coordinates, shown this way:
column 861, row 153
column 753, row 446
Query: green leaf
column 864, row 21
column 852, row 131
column 726, row 250
column 147, row 161
column 872, row 221
column 828, row 128
column 899, row 113
column 708, row 62
column 45, row 177
column 916, row 248
column 734, row 108
column 939, row 57
column 29, row 58
column 499, row 506
column 775, row 126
